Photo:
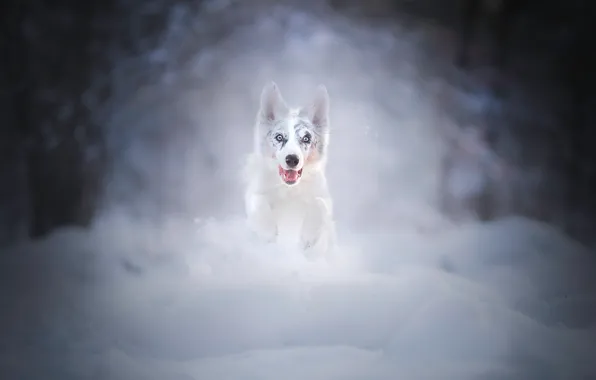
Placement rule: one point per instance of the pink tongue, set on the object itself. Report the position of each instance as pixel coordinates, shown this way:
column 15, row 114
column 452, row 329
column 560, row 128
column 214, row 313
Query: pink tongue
column 291, row 175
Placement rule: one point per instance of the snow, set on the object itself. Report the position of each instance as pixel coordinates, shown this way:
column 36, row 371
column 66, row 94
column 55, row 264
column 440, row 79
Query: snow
column 512, row 299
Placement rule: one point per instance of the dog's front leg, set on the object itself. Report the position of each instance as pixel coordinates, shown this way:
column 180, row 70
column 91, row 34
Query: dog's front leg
column 318, row 230
column 261, row 218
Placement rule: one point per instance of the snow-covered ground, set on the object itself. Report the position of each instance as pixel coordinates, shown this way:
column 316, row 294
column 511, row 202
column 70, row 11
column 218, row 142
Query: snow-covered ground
column 509, row 300
column 407, row 297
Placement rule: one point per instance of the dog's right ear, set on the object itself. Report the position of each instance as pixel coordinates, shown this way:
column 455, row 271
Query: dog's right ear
column 273, row 106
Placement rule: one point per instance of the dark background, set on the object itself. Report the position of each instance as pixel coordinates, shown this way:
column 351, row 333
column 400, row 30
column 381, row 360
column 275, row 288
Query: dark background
column 54, row 156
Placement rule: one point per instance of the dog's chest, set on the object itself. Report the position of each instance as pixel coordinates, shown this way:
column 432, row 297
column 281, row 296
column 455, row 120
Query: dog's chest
column 290, row 219
column 290, row 202
column 290, row 208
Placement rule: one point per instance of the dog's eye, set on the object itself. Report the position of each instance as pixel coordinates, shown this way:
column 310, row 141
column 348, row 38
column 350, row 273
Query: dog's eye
column 279, row 137
column 306, row 139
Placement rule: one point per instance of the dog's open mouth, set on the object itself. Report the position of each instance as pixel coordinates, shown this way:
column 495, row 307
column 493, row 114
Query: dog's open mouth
column 290, row 176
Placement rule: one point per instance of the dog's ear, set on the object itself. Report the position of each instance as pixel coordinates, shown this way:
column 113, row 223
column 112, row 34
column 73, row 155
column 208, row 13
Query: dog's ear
column 272, row 104
column 318, row 111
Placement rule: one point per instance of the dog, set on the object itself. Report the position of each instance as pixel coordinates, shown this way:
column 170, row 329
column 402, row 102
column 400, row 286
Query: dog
column 286, row 172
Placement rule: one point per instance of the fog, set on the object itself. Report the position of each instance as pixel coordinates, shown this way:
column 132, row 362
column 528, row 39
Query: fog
column 170, row 284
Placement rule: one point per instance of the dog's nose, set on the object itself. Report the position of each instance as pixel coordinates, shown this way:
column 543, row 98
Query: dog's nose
column 292, row 160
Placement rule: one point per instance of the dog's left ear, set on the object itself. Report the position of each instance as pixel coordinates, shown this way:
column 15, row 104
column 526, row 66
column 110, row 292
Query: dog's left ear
column 318, row 111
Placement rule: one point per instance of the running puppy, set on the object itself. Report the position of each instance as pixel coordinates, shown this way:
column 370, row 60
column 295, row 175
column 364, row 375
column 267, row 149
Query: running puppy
column 286, row 172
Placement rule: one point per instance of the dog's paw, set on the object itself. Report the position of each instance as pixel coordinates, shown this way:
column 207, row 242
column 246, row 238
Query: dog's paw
column 307, row 245
column 320, row 248
column 261, row 220
column 317, row 236
column 311, row 233
column 310, row 248
column 313, row 247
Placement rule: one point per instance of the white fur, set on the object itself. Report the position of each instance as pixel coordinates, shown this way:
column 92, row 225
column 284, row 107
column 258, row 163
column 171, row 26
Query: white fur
column 274, row 208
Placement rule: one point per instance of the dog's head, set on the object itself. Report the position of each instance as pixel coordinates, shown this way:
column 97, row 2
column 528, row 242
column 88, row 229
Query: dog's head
column 295, row 138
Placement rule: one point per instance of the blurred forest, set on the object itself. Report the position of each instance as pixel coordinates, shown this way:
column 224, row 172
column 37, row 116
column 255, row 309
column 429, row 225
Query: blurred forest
column 68, row 64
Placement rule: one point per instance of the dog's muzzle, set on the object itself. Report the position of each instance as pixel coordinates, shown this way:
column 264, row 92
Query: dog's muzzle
column 290, row 176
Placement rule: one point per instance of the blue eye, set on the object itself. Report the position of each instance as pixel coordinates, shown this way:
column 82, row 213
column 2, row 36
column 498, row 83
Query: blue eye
column 279, row 137
column 306, row 139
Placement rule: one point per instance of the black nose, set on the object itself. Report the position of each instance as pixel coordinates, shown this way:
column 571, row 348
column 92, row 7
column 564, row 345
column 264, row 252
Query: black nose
column 292, row 160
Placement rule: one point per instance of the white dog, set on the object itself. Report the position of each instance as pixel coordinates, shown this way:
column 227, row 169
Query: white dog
column 286, row 172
